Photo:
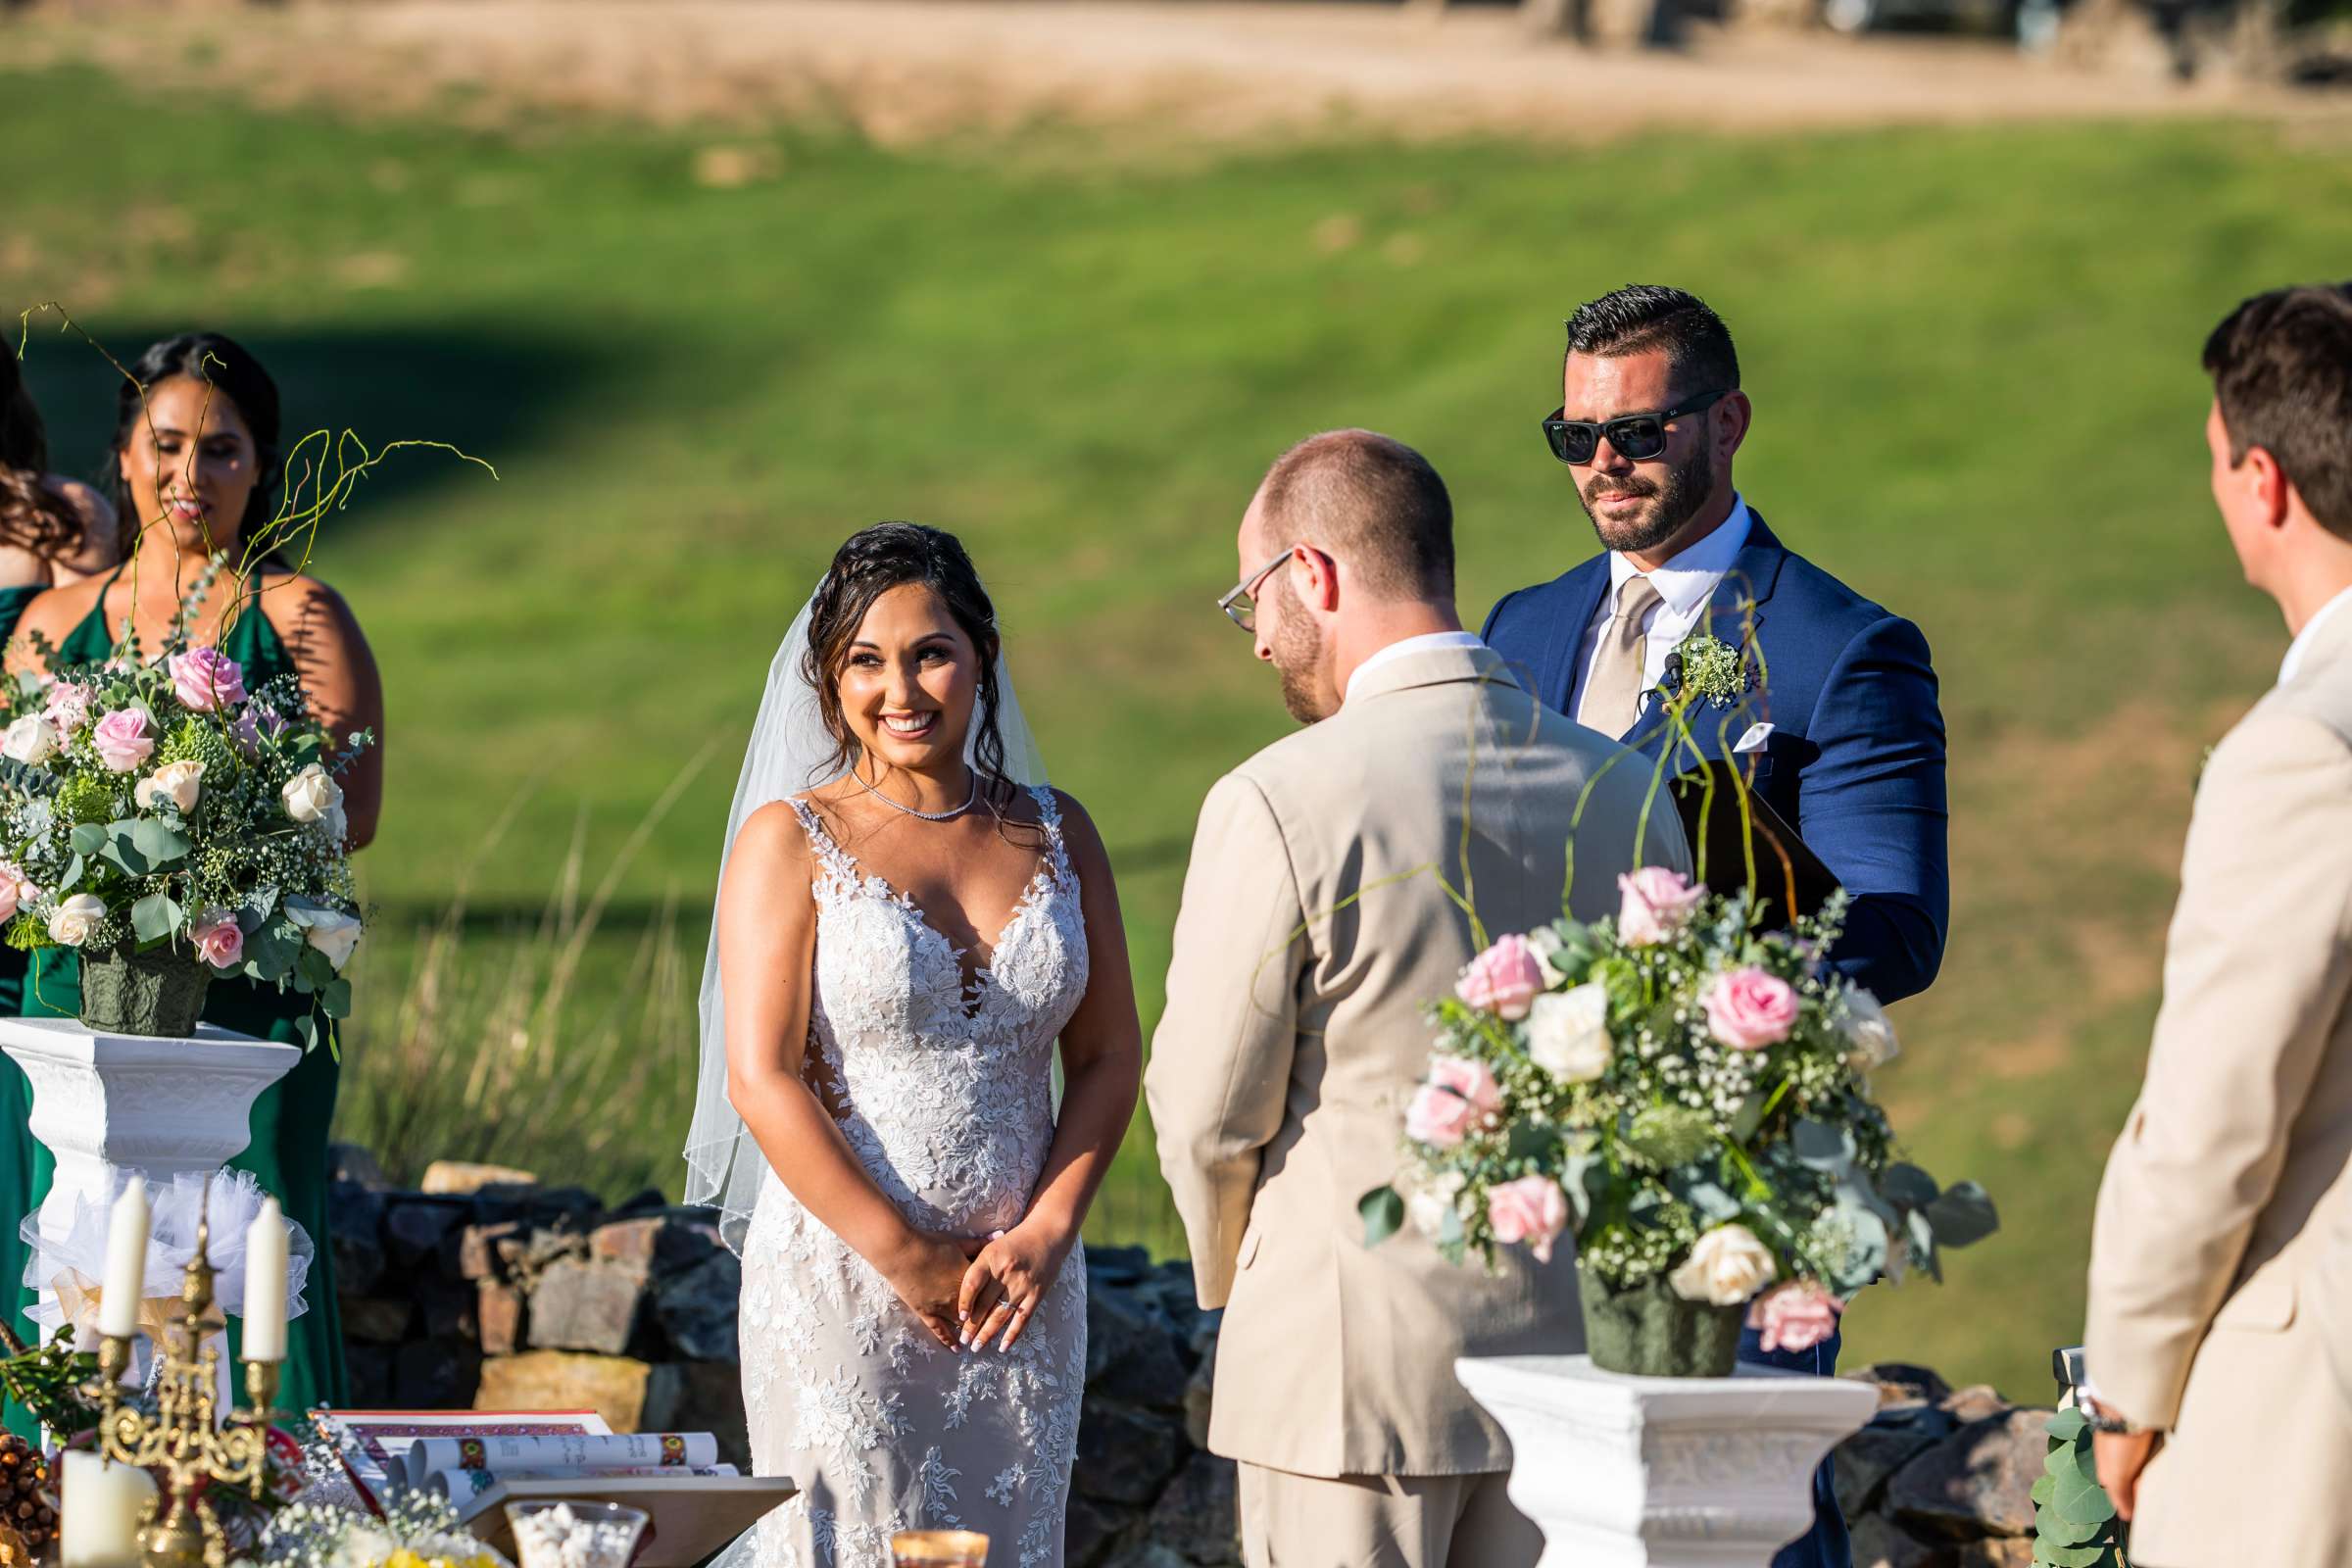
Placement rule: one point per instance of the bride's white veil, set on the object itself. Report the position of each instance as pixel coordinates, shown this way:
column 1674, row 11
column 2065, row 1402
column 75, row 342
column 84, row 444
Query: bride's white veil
column 790, row 752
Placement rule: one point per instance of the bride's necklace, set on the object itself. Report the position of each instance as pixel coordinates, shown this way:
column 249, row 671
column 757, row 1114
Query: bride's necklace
column 928, row 816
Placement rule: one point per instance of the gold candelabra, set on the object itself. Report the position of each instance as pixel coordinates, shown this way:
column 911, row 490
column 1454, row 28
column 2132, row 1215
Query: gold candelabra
column 183, row 1437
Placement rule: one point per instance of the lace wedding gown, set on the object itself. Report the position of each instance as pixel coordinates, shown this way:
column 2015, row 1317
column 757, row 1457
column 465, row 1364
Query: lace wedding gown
column 945, row 1096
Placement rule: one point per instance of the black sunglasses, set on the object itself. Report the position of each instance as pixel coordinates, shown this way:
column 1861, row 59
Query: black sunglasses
column 1636, row 437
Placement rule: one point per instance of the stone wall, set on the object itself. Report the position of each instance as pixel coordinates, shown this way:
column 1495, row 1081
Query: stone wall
column 499, row 1294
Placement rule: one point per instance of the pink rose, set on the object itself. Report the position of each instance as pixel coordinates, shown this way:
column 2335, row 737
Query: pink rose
column 1748, row 1009
column 121, row 739
column 15, row 891
column 69, row 706
column 1458, row 1096
column 220, row 939
column 1504, row 979
column 207, row 680
column 1796, row 1316
column 1531, row 1209
column 1654, row 904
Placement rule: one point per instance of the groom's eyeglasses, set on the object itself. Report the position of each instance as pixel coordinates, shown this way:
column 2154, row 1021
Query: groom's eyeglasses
column 1241, row 604
column 1636, row 437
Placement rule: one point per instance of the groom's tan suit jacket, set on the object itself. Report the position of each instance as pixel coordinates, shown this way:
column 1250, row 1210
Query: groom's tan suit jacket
column 1313, row 928
column 2218, row 1269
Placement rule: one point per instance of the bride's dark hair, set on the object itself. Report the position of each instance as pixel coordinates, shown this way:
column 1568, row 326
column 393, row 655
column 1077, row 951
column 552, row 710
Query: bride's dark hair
column 873, row 562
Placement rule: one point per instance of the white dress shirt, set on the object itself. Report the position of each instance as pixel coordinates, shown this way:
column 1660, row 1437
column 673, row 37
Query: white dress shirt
column 1421, row 643
column 1686, row 585
column 2295, row 649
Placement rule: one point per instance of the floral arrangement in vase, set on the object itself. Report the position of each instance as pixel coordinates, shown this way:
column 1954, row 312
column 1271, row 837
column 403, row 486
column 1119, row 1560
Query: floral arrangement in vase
column 1687, row 1096
column 170, row 824
column 417, row 1530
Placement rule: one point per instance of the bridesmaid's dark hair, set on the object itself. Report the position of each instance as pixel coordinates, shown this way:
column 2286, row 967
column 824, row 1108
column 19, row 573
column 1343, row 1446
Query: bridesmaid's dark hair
column 235, row 375
column 30, row 516
column 874, row 561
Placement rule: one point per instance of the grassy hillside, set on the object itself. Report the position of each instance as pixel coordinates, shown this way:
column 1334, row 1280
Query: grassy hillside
column 1972, row 353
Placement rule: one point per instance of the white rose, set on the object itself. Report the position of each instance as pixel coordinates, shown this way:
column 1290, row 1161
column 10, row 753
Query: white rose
column 30, row 740
column 1568, row 1033
column 177, row 782
column 1546, row 943
column 309, row 794
column 1869, row 1036
column 1728, row 1266
column 77, row 920
column 327, row 928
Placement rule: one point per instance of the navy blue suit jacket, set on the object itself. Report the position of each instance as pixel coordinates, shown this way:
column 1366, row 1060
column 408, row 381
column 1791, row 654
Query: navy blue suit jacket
column 1855, row 760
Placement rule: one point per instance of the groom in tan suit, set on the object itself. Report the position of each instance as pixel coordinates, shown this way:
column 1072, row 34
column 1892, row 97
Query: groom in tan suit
column 2218, row 1265
column 1316, row 924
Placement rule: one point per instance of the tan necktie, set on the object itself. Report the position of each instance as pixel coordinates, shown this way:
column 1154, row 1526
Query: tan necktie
column 1612, row 699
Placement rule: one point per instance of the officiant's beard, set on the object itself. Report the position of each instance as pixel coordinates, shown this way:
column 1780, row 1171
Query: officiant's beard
column 1685, row 489
column 1300, row 660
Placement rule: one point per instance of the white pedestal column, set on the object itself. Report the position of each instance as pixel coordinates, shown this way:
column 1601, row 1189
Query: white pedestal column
column 1626, row 1472
column 103, row 1103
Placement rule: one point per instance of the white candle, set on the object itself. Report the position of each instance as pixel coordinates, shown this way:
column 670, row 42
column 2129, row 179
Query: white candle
column 103, row 1503
column 266, row 1285
column 126, row 1262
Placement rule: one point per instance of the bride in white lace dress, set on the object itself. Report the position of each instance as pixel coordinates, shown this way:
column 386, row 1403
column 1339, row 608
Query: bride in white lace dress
column 898, row 948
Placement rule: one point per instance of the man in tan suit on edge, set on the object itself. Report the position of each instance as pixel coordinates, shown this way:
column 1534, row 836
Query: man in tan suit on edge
column 1314, row 925
column 2223, row 1436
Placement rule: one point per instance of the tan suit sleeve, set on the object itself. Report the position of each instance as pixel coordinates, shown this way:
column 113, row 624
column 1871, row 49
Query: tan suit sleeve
column 2256, row 969
column 1219, row 1076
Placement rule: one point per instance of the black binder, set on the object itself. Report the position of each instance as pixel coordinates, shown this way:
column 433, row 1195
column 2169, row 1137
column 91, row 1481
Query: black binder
column 1787, row 873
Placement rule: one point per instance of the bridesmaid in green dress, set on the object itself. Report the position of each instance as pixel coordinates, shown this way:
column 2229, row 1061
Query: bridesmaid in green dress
column 53, row 531
column 196, row 459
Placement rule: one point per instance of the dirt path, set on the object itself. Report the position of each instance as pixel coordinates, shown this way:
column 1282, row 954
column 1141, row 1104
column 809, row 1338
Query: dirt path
column 910, row 70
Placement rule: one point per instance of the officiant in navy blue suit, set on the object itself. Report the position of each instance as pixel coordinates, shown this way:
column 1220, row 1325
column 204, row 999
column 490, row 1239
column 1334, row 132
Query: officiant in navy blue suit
column 1842, row 728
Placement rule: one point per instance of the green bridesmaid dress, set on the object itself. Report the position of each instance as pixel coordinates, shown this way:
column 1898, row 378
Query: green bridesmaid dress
column 287, row 1153
column 15, row 1096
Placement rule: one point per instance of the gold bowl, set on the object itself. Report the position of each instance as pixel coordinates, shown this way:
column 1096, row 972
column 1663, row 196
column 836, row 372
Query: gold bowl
column 939, row 1549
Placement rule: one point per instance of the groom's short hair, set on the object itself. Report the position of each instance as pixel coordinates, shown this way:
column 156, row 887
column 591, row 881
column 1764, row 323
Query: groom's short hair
column 1642, row 316
column 1374, row 503
column 2282, row 367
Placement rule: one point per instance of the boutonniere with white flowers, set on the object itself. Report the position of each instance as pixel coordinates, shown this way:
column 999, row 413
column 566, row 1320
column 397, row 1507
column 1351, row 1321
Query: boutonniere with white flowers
column 1710, row 669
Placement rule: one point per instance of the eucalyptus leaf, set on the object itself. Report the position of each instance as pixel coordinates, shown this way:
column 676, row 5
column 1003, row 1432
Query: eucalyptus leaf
column 1750, row 1116
column 1822, row 1146
column 1383, row 1210
column 1923, row 1244
column 2067, row 1425
column 160, row 844
column 1866, row 1257
column 314, row 971
column 1906, row 1186
column 87, row 839
column 1705, row 1196
column 73, row 873
column 259, row 906
column 2043, row 1485
column 307, row 1026
column 272, row 949
column 2086, row 1555
column 1963, row 1215
column 2059, row 1530
column 124, row 851
column 1449, row 1228
column 2078, row 1497
column 335, row 999
column 155, row 917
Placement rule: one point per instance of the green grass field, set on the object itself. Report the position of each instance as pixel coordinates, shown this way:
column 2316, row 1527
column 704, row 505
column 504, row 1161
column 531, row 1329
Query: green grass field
column 1973, row 353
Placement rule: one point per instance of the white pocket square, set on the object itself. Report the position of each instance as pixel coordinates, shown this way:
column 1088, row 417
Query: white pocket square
column 1753, row 740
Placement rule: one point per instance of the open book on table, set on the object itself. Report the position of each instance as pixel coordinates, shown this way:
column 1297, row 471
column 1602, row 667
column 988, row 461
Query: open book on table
column 484, row 1460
